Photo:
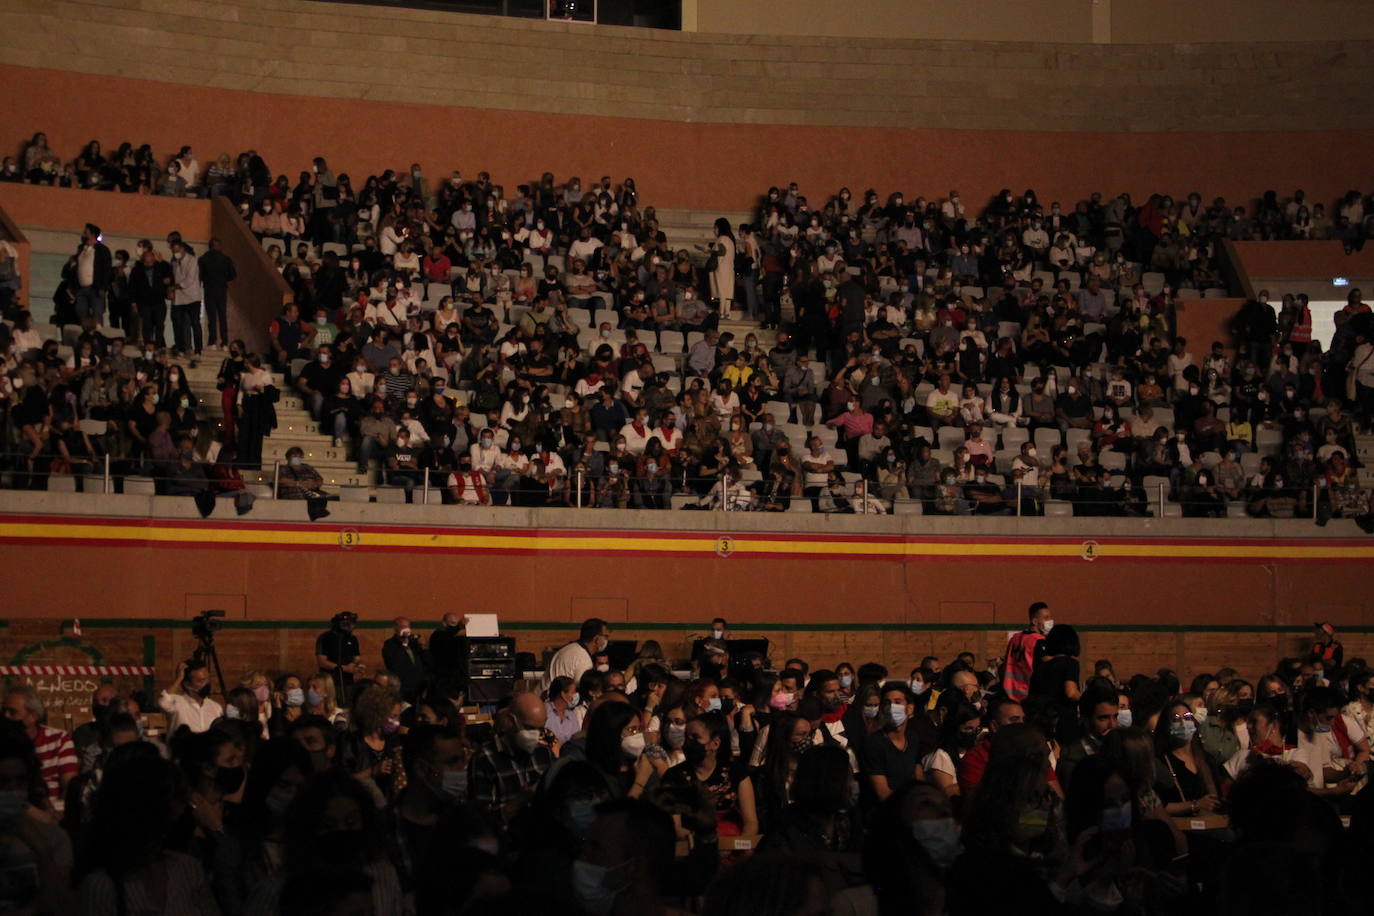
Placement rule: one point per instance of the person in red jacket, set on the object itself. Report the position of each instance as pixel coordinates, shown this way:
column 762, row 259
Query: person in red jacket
column 1021, row 652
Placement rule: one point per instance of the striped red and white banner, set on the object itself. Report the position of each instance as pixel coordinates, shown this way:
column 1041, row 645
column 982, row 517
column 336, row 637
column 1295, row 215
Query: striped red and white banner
column 124, row 670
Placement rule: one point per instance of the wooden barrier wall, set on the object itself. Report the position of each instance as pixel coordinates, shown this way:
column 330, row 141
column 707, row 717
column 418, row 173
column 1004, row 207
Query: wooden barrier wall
column 1191, row 604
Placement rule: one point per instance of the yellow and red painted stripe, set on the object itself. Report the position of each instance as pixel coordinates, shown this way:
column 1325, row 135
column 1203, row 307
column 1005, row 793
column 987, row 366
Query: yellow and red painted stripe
column 73, row 531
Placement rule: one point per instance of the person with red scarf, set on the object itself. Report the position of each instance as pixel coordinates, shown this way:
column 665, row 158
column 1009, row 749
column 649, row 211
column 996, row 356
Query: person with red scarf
column 468, row 487
column 637, row 432
column 1265, row 729
column 825, row 687
column 668, row 433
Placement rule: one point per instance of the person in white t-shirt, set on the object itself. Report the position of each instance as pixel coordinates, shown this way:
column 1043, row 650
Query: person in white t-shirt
column 585, row 246
column 637, row 433
column 575, row 659
column 1332, row 745
column 187, row 701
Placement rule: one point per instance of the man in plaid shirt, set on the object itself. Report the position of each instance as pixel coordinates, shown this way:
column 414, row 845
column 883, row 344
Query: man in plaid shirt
column 505, row 775
column 54, row 748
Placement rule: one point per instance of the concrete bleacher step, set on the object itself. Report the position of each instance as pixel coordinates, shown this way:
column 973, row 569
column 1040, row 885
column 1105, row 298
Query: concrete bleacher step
column 685, row 228
column 316, row 448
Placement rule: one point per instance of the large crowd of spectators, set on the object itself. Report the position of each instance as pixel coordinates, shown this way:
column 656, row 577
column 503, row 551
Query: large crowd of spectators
column 719, row 784
column 548, row 347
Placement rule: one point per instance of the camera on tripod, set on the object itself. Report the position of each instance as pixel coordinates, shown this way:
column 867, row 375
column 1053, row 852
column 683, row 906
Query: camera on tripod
column 203, row 628
column 205, row 625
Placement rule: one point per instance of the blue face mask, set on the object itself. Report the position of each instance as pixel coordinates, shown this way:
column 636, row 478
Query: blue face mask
column 314, row 698
column 940, row 839
column 896, row 715
column 917, row 687
column 846, row 681
column 1116, row 820
column 713, row 704
column 582, row 813
column 589, row 887
column 1124, row 718
column 279, row 799
column 454, row 784
column 1323, row 728
column 295, row 696
column 1182, row 730
column 232, row 712
column 871, row 712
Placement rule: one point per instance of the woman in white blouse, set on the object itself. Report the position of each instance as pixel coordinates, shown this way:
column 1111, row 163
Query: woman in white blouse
column 958, row 735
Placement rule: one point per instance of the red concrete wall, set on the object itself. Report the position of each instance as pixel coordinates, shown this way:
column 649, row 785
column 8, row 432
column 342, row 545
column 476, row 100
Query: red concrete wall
column 1203, row 321
column 1306, row 261
column 1189, row 603
column 127, row 214
column 694, row 165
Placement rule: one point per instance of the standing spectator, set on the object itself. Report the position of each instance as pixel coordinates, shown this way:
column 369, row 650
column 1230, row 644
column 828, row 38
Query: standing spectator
column 187, row 701
column 723, row 276
column 150, row 283
column 1327, row 649
column 448, row 651
column 337, row 652
column 53, row 747
column 404, row 657
column 575, row 659
column 186, row 298
column 94, row 269
column 1021, row 655
column 216, row 273
column 1055, row 680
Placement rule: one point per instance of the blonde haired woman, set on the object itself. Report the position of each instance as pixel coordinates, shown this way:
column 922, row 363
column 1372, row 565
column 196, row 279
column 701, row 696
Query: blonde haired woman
column 322, row 700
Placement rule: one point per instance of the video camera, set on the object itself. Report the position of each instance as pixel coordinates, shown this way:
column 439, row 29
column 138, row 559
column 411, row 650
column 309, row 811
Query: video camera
column 206, row 624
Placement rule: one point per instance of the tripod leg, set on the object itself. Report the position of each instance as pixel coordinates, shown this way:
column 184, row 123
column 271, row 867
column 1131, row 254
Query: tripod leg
column 213, row 657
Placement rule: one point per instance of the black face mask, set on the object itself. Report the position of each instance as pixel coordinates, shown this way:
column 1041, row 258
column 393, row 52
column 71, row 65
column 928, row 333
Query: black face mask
column 99, row 711
column 967, row 739
column 1245, row 706
column 727, row 705
column 228, row 779
column 693, row 752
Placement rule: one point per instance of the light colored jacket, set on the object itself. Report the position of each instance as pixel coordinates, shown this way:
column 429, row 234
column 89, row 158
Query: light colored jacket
column 186, row 273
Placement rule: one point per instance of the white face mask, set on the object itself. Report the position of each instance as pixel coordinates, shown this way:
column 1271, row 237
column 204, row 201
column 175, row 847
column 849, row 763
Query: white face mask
column 527, row 739
column 633, row 746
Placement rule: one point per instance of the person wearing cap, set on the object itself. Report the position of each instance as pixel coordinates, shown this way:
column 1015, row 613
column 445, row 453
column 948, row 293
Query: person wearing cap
column 337, row 652
column 1327, row 649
